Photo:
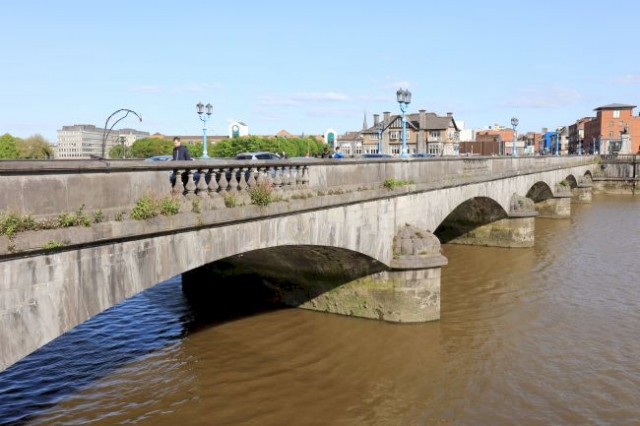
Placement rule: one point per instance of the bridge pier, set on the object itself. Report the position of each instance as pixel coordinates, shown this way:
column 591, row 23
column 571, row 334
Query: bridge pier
column 408, row 292
column 583, row 192
column 512, row 232
column 558, row 206
column 516, row 230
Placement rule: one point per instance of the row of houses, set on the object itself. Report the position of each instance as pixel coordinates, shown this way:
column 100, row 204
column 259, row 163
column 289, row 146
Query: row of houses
column 613, row 129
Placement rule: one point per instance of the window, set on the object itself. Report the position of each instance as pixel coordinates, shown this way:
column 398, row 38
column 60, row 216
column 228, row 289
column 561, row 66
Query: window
column 434, row 134
column 610, row 134
column 616, row 113
column 394, row 135
column 373, row 137
column 395, row 149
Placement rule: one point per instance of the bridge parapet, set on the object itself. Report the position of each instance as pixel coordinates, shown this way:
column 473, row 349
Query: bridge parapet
column 42, row 188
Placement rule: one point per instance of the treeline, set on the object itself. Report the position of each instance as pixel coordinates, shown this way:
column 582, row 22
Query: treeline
column 32, row 148
column 292, row 147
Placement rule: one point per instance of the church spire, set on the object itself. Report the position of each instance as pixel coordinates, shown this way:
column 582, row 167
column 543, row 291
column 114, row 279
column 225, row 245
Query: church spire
column 364, row 123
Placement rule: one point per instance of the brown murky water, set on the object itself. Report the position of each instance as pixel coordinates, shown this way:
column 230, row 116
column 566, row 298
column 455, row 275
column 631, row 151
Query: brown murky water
column 542, row 336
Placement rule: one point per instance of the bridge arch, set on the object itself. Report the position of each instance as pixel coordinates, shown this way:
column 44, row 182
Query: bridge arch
column 469, row 215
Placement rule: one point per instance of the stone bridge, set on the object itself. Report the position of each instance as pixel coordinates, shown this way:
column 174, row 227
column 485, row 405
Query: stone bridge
column 352, row 237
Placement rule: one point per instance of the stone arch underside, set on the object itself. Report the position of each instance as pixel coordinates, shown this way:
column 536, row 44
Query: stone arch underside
column 539, row 192
column 294, row 275
column 468, row 216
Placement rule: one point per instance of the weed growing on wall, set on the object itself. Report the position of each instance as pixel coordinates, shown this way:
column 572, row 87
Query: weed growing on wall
column 261, row 194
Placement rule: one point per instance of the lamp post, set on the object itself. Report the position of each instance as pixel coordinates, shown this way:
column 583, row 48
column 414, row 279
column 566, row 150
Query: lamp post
column 380, row 128
column 105, row 132
column 579, row 146
column 404, row 99
column 514, row 124
column 557, row 143
column 123, row 141
column 200, row 108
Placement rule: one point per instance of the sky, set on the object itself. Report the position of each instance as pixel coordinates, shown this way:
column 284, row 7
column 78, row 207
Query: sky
column 308, row 66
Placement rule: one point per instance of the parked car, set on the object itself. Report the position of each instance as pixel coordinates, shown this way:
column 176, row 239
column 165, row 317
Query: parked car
column 377, row 156
column 257, row 156
column 159, row 158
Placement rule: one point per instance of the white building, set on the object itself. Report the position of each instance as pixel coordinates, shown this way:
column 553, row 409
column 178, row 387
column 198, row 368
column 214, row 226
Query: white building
column 238, row 129
column 85, row 140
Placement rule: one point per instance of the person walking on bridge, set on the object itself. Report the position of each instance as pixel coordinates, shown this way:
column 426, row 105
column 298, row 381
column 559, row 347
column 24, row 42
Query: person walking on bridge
column 180, row 152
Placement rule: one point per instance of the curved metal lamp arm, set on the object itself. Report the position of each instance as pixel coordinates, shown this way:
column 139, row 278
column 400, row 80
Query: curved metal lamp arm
column 106, row 132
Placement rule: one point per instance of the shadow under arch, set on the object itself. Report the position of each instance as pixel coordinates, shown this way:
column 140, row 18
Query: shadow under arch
column 573, row 182
column 467, row 216
column 255, row 281
column 540, row 191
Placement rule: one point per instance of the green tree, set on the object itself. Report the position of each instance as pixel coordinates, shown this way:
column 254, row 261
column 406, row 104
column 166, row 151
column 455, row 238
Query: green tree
column 293, row 147
column 116, row 152
column 148, row 147
column 34, row 148
column 8, row 147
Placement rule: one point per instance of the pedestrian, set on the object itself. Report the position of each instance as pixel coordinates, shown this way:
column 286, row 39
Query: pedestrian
column 338, row 153
column 325, row 152
column 180, row 152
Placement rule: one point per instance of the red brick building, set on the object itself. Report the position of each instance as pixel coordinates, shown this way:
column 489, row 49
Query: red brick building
column 603, row 131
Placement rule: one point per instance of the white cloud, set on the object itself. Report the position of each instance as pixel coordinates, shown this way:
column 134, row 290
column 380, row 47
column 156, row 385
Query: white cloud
column 627, row 79
column 149, row 89
column 551, row 97
column 334, row 112
column 272, row 100
column 190, row 88
column 319, row 97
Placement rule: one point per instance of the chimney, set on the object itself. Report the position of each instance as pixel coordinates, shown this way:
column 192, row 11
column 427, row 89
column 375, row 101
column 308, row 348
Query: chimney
column 376, row 118
column 449, row 114
column 423, row 118
column 386, row 116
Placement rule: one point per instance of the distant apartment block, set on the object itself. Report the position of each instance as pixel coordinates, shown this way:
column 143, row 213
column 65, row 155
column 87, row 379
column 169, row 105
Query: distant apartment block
column 85, row 140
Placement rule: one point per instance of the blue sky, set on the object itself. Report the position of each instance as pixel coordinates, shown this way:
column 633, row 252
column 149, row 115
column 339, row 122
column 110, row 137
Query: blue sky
column 308, row 66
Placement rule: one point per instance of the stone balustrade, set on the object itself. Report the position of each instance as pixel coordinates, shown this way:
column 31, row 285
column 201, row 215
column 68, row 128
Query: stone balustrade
column 42, row 188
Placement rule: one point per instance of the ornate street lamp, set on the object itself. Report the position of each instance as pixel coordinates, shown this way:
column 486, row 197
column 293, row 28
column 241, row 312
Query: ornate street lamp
column 380, row 128
column 514, row 124
column 557, row 142
column 200, row 108
column 404, row 99
column 105, row 132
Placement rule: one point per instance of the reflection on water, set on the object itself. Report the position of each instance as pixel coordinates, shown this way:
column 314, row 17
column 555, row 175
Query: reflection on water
column 540, row 336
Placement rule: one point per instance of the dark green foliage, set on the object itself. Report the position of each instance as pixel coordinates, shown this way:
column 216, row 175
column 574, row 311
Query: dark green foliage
column 148, row 147
column 293, row 147
column 32, row 148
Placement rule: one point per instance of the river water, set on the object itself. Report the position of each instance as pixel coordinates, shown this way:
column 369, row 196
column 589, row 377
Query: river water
column 543, row 336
